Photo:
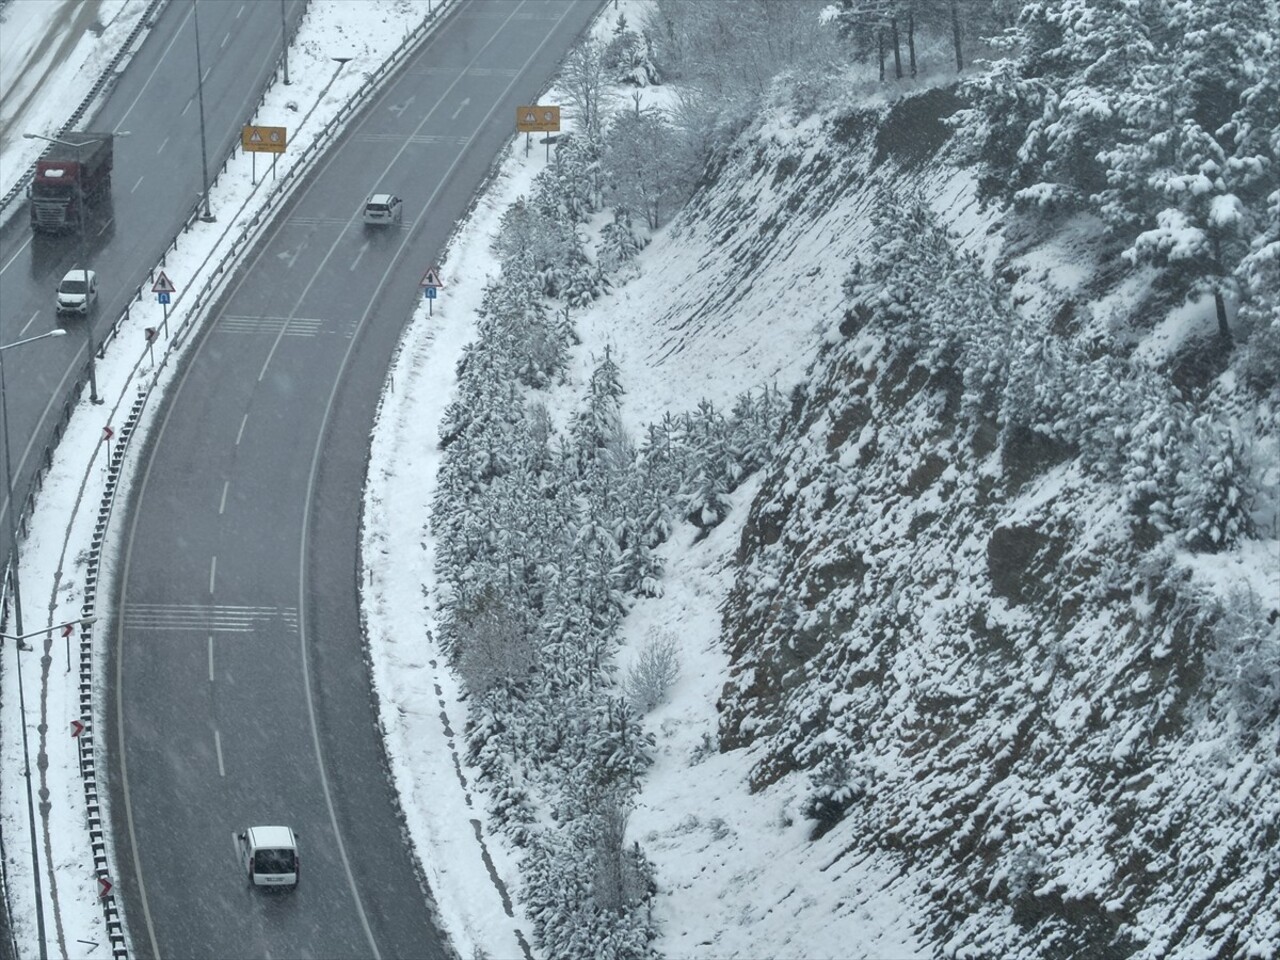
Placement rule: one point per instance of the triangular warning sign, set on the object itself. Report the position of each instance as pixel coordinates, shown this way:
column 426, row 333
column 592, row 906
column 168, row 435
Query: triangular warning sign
column 431, row 278
column 530, row 117
column 256, row 136
column 163, row 285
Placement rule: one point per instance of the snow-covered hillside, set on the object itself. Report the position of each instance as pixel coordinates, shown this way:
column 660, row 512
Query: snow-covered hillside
column 989, row 675
column 980, row 703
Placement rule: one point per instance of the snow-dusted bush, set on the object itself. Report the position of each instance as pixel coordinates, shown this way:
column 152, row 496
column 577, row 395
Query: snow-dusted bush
column 655, row 669
column 628, row 56
column 834, row 787
column 1245, row 661
column 493, row 643
column 1215, row 495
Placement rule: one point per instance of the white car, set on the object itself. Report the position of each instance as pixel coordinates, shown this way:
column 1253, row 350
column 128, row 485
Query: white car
column 77, row 292
column 383, row 208
column 270, row 856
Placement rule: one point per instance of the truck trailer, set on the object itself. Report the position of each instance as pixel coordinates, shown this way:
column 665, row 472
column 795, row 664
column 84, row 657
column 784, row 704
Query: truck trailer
column 70, row 175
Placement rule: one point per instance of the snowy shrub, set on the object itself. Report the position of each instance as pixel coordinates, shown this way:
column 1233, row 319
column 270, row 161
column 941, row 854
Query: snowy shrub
column 1026, row 872
column 619, row 242
column 705, row 747
column 1260, row 362
column 622, row 875
column 654, row 671
column 834, row 787
column 1245, row 660
column 493, row 643
column 618, row 745
column 1215, row 496
column 629, row 57
column 585, row 284
column 1152, row 448
column 585, row 894
column 642, row 165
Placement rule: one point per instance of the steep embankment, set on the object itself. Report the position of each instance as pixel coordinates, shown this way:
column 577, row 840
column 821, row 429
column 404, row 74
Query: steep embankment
column 985, row 621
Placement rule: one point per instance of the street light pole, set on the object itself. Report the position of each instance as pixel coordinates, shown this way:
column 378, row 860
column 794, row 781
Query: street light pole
column 19, row 637
column 88, row 316
column 207, row 216
column 284, row 43
column 84, row 262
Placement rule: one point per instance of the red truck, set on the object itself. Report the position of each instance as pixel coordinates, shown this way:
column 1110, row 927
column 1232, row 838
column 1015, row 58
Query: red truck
column 68, row 176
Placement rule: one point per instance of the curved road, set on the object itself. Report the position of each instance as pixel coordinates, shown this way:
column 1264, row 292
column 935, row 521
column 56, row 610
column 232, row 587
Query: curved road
column 241, row 691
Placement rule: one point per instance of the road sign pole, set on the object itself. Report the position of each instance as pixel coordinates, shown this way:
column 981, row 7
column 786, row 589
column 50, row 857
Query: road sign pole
column 253, row 172
column 165, row 304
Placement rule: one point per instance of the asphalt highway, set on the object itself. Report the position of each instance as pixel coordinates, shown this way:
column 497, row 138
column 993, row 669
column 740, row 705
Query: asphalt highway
column 241, row 695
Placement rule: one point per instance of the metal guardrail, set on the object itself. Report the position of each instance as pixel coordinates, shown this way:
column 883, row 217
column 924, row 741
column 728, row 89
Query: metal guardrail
column 105, row 79
column 249, row 234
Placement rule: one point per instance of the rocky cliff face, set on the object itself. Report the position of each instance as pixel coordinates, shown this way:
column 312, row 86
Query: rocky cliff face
column 960, row 618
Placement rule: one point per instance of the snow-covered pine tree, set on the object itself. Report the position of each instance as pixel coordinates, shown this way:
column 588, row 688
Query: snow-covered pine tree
column 1043, row 114
column 1215, row 496
column 619, row 242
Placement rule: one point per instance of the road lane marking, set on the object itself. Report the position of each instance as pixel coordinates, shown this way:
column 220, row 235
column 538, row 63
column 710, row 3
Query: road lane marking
column 295, row 327
column 217, row 743
column 186, row 108
column 240, row 11
column 356, row 261
column 209, row 618
column 240, row 432
column 462, row 106
column 222, row 505
column 138, row 184
column 25, row 243
column 211, row 658
column 223, row 44
column 213, row 571
column 106, row 226
column 160, row 149
column 27, row 325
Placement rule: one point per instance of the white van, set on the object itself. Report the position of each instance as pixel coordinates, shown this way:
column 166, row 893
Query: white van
column 270, row 856
column 77, row 292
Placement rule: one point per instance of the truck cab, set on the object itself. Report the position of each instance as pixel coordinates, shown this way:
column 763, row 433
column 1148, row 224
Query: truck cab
column 74, row 171
column 270, row 856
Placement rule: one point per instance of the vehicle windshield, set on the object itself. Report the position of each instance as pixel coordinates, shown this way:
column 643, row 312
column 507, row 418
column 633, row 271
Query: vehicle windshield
column 51, row 191
column 378, row 207
column 273, row 861
column 71, row 286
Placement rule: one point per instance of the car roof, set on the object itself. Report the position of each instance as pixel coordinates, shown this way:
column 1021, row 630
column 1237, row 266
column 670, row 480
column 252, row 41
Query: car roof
column 381, row 198
column 77, row 274
column 271, row 837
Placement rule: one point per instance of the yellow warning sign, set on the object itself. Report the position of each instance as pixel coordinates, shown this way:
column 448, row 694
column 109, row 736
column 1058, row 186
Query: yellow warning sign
column 263, row 139
column 537, row 119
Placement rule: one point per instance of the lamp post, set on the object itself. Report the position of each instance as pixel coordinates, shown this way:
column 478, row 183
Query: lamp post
column 84, row 265
column 207, row 216
column 19, row 638
column 284, row 43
